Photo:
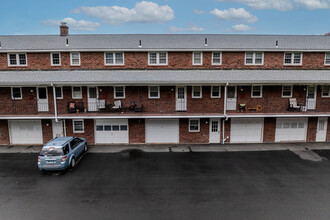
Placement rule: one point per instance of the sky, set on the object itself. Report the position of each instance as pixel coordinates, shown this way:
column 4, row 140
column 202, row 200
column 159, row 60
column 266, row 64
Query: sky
column 33, row 17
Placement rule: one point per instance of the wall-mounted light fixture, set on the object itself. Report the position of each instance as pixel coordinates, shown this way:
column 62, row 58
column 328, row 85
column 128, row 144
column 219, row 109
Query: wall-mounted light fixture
column 31, row 90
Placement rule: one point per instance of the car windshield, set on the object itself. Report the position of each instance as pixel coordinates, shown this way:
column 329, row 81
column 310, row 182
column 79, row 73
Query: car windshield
column 51, row 151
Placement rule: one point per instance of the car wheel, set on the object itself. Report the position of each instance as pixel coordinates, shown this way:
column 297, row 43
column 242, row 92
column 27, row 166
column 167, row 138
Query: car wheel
column 73, row 163
column 85, row 148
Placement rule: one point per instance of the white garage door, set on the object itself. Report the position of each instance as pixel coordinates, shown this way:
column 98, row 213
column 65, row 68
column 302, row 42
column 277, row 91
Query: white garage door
column 291, row 129
column 162, row 131
column 111, row 131
column 246, row 130
column 25, row 132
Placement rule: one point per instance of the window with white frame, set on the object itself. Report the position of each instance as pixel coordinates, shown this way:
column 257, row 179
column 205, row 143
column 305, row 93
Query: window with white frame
column 327, row 59
column 216, row 58
column 56, row 59
column 18, row 59
column 75, row 58
column 157, row 58
column 194, row 125
column 287, row 91
column 59, row 92
column 215, row 91
column 197, row 58
column 254, row 58
column 293, row 58
column 78, row 125
column 197, row 91
column 325, row 91
column 76, row 92
column 154, row 92
column 256, row 91
column 16, row 93
column 111, row 58
column 119, row 92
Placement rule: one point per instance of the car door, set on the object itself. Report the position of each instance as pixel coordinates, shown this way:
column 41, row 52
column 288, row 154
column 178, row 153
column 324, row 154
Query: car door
column 80, row 145
column 75, row 150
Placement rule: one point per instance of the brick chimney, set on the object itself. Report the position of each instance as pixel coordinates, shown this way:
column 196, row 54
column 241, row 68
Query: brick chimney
column 64, row 29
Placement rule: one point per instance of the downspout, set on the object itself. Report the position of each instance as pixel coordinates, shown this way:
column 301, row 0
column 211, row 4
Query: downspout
column 225, row 114
column 55, row 104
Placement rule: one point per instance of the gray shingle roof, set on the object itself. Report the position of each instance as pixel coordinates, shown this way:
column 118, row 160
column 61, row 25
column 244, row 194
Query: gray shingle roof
column 168, row 42
column 163, row 77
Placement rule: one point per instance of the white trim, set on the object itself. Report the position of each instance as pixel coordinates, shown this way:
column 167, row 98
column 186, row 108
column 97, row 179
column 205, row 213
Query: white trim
column 252, row 96
column 325, row 59
column 17, row 59
column 292, row 59
column 11, row 89
column 193, row 58
column 158, row 59
column 201, row 92
column 220, row 58
column 83, row 126
column 291, row 91
column 61, row 87
column 114, row 59
column 71, row 59
column 328, row 91
column 149, row 92
column 51, row 59
column 199, row 124
column 254, row 59
column 114, row 92
column 79, row 97
column 212, row 92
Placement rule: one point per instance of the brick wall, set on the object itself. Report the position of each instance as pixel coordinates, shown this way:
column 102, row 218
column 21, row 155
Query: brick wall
column 136, row 131
column 88, row 133
column 47, row 131
column 312, row 127
column 269, row 130
column 193, row 137
column 4, row 133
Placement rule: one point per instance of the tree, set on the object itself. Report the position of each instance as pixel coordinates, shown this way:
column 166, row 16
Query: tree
column 327, row 34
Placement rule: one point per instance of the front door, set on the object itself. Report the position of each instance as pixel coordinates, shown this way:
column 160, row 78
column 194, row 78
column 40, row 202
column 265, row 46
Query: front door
column 181, row 98
column 57, row 129
column 311, row 97
column 42, row 99
column 321, row 132
column 214, row 131
column 231, row 98
column 92, row 99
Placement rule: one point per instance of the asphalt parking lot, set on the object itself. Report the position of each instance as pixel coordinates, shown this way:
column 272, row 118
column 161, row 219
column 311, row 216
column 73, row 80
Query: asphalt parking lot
column 137, row 185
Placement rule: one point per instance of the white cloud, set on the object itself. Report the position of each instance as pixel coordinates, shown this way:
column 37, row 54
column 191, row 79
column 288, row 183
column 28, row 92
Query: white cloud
column 232, row 14
column 192, row 27
column 198, row 12
column 143, row 12
column 313, row 4
column 80, row 25
column 240, row 28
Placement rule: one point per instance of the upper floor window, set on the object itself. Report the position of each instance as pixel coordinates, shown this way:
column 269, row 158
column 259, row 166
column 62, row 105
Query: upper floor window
column 75, row 58
column 293, row 58
column 325, row 91
column 194, row 125
column 111, row 58
column 254, row 58
column 78, row 125
column 16, row 92
column 154, row 92
column 119, row 92
column 197, row 92
column 76, row 92
column 55, row 59
column 256, row 91
column 18, row 59
column 59, row 92
column 215, row 92
column 327, row 59
column 216, row 58
column 197, row 58
column 157, row 58
column 287, row 91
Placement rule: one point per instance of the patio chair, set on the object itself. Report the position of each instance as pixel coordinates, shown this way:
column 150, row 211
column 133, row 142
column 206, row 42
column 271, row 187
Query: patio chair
column 139, row 109
column 72, row 108
column 293, row 105
column 117, row 106
column 81, row 107
column 242, row 107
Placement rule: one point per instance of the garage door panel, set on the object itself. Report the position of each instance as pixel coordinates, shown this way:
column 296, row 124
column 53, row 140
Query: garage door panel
column 246, row 130
column 162, row 131
column 111, row 131
column 291, row 129
column 25, row 132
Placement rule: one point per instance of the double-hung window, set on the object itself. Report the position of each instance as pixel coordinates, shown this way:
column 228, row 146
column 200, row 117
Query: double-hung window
column 75, row 58
column 55, row 59
column 293, row 58
column 287, row 91
column 59, row 92
column 154, row 92
column 254, row 58
column 194, row 125
column 76, row 92
column 18, row 59
column 119, row 92
column 197, row 58
column 197, row 91
column 327, row 59
column 216, row 58
column 256, row 91
column 215, row 91
column 78, row 125
column 325, row 91
column 16, row 93
column 111, row 58
column 157, row 58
